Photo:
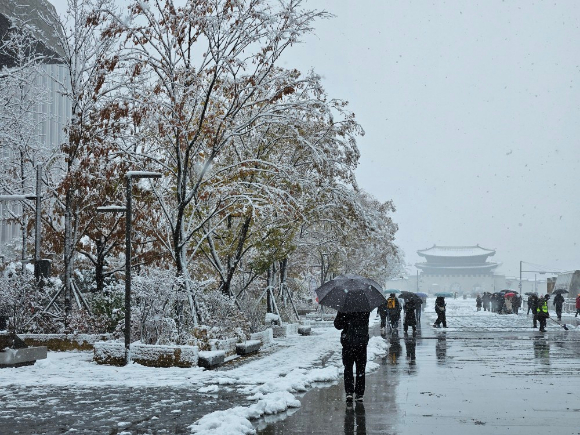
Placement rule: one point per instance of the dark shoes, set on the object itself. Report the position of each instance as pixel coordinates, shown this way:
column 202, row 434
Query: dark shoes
column 349, row 398
column 359, row 398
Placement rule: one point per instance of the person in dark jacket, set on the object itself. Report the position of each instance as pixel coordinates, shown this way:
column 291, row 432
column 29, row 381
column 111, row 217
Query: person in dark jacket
column 419, row 305
column 478, row 303
column 577, row 306
column 354, row 339
column 410, row 319
column 485, row 301
column 542, row 311
column 516, row 303
column 558, row 302
column 440, row 310
column 382, row 311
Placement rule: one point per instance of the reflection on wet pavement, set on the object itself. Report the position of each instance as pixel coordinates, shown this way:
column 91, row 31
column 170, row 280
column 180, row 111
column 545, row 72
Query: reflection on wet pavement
column 355, row 420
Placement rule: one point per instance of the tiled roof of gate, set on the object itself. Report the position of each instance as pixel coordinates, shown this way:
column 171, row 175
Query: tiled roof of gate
column 455, row 251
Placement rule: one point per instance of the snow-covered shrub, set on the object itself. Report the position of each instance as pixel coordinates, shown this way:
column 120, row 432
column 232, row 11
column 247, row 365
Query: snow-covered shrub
column 221, row 316
column 22, row 300
column 109, row 307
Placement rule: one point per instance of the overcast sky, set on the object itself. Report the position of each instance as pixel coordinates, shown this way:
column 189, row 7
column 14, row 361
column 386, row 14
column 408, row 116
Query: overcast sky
column 472, row 119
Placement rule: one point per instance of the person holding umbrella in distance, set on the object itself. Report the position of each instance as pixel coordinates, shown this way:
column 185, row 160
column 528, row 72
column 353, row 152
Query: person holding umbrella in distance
column 354, row 297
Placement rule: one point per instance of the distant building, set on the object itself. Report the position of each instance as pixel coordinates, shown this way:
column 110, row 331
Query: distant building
column 461, row 269
column 48, row 116
column 569, row 281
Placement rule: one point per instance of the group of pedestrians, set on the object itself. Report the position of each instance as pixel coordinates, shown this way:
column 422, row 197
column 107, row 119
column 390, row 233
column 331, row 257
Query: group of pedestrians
column 499, row 303
column 355, row 329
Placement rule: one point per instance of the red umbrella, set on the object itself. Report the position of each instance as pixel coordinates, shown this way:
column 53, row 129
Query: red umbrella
column 509, row 295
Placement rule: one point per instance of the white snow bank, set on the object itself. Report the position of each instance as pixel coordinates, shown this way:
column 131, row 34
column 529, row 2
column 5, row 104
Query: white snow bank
column 237, row 420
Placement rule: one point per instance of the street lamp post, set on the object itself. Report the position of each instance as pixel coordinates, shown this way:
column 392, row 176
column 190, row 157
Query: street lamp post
column 129, row 176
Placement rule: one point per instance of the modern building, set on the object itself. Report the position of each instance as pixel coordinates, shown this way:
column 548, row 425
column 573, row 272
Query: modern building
column 46, row 110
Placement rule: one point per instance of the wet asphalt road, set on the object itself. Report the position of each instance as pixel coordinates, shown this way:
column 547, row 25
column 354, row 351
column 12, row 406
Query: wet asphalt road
column 465, row 381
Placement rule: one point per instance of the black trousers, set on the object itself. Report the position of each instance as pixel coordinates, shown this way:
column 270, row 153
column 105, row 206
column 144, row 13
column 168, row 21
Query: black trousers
column 356, row 355
column 543, row 321
column 441, row 319
column 559, row 312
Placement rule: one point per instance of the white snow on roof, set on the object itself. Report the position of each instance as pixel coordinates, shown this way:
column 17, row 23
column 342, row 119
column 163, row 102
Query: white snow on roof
column 455, row 251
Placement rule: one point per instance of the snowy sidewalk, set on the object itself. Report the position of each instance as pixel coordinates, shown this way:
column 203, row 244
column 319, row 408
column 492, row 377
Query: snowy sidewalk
column 69, row 392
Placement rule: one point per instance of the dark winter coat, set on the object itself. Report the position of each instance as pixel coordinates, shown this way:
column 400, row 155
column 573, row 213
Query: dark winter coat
column 478, row 302
column 558, row 301
column 440, row 305
column 382, row 310
column 410, row 308
column 578, row 302
column 355, row 329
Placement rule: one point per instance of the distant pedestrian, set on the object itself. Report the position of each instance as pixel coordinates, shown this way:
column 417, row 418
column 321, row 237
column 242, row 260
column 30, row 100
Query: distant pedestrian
column 542, row 311
column 507, row 305
column 558, row 302
column 478, row 302
column 440, row 310
column 577, row 306
column 419, row 305
column 516, row 303
column 485, row 300
column 382, row 311
column 393, row 312
column 354, row 339
column 410, row 319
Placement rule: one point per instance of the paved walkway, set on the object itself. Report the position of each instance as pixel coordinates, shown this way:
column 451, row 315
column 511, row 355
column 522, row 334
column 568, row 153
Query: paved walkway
column 465, row 381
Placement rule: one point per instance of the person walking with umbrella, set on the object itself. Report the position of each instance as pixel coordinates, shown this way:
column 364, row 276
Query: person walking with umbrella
column 354, row 339
column 533, row 301
column 354, row 297
column 558, row 302
column 440, row 310
column 410, row 319
column 394, row 312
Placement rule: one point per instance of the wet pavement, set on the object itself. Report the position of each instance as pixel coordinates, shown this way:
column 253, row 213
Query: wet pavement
column 467, row 380
column 107, row 410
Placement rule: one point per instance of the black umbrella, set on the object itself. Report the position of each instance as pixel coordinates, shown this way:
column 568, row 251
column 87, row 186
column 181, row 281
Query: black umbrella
column 531, row 293
column 351, row 294
column 559, row 291
column 409, row 295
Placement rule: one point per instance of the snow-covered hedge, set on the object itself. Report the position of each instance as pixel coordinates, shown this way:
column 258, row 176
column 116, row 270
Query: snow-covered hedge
column 113, row 353
column 64, row 342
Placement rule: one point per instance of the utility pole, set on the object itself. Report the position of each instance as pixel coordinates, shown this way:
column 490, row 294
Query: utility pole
column 520, row 284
